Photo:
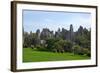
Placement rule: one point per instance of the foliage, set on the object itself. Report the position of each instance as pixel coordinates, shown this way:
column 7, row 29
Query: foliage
column 68, row 46
column 40, row 48
column 80, row 44
column 50, row 43
column 26, row 40
column 76, row 49
column 87, row 52
column 82, row 41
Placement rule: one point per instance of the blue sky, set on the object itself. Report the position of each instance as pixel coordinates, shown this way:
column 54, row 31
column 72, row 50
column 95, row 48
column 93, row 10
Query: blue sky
column 33, row 20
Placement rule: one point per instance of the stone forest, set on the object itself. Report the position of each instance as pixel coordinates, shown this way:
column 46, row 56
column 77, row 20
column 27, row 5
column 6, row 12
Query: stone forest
column 60, row 41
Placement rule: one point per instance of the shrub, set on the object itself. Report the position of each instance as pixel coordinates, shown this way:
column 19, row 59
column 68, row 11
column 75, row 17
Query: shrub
column 32, row 46
column 86, row 51
column 25, row 45
column 50, row 44
column 89, row 54
column 41, row 48
column 77, row 49
column 68, row 46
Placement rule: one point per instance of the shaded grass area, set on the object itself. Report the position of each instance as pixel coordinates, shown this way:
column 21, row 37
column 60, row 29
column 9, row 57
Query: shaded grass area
column 30, row 55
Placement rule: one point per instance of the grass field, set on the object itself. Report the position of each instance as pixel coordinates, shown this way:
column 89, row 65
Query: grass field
column 30, row 55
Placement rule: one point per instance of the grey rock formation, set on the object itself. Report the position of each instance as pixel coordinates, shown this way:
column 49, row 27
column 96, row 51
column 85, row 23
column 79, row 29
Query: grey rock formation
column 60, row 33
column 71, row 33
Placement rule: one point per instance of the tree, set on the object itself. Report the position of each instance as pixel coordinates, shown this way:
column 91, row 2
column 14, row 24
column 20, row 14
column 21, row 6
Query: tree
column 50, row 43
column 56, row 45
column 29, row 39
column 83, row 37
column 76, row 49
column 82, row 41
column 62, row 40
column 86, row 51
column 26, row 40
column 68, row 46
column 59, row 46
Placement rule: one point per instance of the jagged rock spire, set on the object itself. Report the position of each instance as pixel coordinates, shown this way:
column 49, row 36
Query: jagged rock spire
column 71, row 32
column 38, row 33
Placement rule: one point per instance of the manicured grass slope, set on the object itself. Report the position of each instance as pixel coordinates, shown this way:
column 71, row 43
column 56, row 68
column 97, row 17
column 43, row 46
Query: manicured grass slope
column 30, row 55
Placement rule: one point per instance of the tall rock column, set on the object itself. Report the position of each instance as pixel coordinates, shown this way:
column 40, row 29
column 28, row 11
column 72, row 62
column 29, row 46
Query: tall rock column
column 71, row 33
column 38, row 37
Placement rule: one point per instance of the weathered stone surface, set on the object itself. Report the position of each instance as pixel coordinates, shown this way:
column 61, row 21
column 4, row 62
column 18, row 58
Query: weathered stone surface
column 60, row 33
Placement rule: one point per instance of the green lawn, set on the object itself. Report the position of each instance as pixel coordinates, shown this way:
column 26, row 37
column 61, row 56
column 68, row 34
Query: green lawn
column 30, row 55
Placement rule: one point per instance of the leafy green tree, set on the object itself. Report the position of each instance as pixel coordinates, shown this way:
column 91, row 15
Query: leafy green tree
column 26, row 40
column 40, row 48
column 55, row 45
column 82, row 41
column 86, row 51
column 29, row 39
column 58, row 46
column 68, row 46
column 76, row 49
column 50, row 43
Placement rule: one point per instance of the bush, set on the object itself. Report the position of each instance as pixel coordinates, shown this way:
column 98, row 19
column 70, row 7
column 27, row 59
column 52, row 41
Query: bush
column 77, row 49
column 68, row 46
column 41, row 48
column 87, row 52
column 32, row 46
column 51, row 43
column 25, row 45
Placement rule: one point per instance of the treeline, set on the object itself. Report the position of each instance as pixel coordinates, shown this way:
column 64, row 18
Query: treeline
column 78, row 42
